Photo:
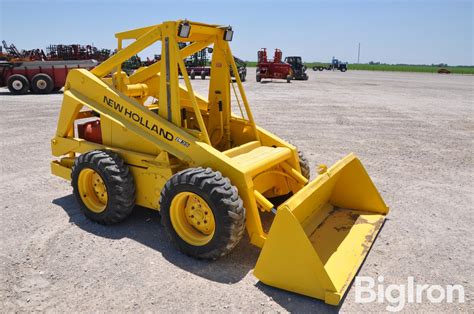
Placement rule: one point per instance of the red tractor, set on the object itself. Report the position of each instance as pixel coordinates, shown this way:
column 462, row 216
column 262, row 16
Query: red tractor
column 273, row 69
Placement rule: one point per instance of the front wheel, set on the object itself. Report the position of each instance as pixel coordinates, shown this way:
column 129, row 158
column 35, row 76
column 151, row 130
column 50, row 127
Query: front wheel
column 202, row 213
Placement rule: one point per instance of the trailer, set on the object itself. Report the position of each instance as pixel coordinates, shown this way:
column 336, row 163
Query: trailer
column 39, row 77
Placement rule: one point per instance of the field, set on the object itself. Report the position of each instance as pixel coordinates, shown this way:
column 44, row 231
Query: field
column 395, row 67
column 412, row 131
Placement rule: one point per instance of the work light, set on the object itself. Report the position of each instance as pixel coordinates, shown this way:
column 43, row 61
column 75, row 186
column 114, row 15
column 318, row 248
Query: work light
column 184, row 29
column 228, row 34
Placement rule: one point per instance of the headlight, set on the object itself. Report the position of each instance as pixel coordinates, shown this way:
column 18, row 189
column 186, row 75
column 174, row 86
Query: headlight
column 184, row 29
column 228, row 34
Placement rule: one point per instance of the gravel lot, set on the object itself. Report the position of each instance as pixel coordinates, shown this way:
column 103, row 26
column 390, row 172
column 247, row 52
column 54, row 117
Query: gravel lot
column 413, row 132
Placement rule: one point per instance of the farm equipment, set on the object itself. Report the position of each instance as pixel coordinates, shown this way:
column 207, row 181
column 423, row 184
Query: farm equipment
column 41, row 77
column 13, row 54
column 335, row 65
column 210, row 172
column 298, row 68
column 198, row 64
column 77, row 52
column 41, row 72
column 273, row 69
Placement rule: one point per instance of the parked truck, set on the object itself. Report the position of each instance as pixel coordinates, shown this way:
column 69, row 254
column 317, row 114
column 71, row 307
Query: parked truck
column 334, row 65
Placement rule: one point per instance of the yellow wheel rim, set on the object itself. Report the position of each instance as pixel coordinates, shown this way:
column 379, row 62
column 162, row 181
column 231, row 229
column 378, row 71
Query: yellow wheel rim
column 92, row 189
column 192, row 218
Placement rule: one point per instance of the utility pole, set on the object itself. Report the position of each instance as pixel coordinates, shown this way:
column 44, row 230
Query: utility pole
column 358, row 55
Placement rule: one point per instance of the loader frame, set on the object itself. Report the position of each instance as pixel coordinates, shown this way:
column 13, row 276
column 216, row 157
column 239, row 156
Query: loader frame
column 121, row 98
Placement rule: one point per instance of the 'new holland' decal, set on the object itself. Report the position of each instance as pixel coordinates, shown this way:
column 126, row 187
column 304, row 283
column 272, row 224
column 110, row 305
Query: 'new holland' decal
column 143, row 121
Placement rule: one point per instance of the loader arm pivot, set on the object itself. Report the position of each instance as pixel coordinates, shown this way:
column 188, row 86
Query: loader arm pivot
column 168, row 137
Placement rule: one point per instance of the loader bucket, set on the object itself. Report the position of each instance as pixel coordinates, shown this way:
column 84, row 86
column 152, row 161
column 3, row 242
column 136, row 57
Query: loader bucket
column 321, row 235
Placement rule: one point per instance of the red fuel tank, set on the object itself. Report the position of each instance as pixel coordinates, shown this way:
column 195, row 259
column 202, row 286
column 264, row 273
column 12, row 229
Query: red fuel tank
column 90, row 131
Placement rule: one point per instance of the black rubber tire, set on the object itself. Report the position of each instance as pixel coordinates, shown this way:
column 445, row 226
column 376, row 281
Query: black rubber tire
column 42, row 83
column 242, row 77
column 118, row 181
column 304, row 165
column 259, row 78
column 57, row 89
column 224, row 201
column 18, row 84
column 344, row 69
column 192, row 74
column 203, row 75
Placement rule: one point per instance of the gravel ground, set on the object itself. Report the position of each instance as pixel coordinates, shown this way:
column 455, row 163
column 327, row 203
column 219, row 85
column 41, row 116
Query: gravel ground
column 413, row 133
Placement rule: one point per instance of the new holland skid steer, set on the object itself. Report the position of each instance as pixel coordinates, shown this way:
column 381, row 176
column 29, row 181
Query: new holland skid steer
column 145, row 139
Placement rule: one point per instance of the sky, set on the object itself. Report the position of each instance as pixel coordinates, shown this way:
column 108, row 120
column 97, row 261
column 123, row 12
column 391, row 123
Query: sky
column 411, row 32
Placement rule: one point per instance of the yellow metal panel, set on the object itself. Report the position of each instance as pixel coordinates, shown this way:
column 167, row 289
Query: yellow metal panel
column 288, row 260
column 262, row 158
column 135, row 33
column 61, row 146
column 342, row 240
column 242, row 149
column 169, row 91
column 61, row 171
column 149, row 183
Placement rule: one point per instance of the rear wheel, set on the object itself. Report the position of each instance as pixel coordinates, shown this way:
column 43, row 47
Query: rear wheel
column 42, row 84
column 103, row 186
column 203, row 75
column 18, row 84
column 192, row 74
column 202, row 213
column 259, row 78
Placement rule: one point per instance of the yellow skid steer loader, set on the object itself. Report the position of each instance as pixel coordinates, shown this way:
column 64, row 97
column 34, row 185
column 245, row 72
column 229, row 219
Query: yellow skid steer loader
column 145, row 139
